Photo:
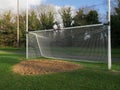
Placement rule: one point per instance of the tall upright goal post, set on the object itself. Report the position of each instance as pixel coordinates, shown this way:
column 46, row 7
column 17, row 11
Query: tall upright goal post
column 109, row 37
column 27, row 29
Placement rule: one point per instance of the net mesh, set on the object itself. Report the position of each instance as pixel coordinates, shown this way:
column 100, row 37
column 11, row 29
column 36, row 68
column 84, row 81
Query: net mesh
column 85, row 43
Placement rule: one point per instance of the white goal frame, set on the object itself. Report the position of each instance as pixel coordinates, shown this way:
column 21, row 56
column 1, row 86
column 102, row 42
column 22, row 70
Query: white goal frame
column 109, row 34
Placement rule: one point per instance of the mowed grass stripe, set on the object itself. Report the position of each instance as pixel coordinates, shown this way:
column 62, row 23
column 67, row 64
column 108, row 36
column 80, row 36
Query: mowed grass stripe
column 94, row 76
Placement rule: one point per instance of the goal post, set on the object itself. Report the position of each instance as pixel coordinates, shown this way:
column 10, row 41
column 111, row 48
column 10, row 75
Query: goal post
column 27, row 29
column 109, row 36
column 81, row 43
column 90, row 43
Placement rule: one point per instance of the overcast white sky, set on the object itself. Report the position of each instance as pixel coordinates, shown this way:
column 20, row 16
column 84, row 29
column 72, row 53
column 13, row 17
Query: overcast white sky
column 12, row 4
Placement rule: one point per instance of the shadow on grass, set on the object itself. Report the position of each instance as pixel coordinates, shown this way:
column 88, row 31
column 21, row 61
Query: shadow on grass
column 8, row 60
column 11, row 56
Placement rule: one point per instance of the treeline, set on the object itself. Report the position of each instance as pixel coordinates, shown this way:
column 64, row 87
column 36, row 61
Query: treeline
column 44, row 16
column 40, row 19
column 115, row 24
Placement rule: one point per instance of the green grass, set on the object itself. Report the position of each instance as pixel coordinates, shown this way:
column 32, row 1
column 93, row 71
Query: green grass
column 7, row 52
column 77, row 50
column 86, row 51
column 116, row 52
column 94, row 76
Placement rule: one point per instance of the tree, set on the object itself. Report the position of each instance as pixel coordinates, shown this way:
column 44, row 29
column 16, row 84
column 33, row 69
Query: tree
column 46, row 16
column 22, row 23
column 9, row 30
column 115, row 26
column 92, row 17
column 1, row 31
column 33, row 21
column 66, row 16
column 80, row 18
column 46, row 20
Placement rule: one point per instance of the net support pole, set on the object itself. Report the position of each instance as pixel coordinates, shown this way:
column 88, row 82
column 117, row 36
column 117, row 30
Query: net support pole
column 109, row 38
column 40, row 50
column 18, row 40
column 27, row 30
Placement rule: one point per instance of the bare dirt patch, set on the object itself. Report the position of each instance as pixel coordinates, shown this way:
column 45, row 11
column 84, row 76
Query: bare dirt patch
column 35, row 67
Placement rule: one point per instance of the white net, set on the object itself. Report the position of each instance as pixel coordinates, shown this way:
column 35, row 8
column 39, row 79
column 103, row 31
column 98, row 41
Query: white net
column 83, row 43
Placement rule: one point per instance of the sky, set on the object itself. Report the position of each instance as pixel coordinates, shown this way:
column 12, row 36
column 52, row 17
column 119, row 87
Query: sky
column 100, row 5
column 12, row 4
column 76, row 3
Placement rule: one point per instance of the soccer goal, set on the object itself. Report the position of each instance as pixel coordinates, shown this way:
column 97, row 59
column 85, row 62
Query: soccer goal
column 82, row 43
column 89, row 43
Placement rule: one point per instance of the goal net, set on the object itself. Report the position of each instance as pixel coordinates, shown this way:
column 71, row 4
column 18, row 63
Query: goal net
column 81, row 43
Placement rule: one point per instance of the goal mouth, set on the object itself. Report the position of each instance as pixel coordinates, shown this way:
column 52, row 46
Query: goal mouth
column 44, row 47
column 40, row 67
column 86, row 43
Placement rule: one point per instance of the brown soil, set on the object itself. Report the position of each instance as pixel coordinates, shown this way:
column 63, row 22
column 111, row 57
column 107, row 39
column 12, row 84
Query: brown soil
column 35, row 67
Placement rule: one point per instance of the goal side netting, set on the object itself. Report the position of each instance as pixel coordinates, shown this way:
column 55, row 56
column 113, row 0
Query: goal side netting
column 82, row 43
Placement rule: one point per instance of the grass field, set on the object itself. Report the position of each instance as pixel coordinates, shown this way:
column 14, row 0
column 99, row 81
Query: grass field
column 81, row 51
column 94, row 76
column 116, row 52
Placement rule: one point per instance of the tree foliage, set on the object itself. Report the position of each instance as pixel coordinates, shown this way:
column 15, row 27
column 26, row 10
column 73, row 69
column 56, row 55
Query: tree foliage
column 46, row 20
column 7, row 30
column 46, row 16
column 115, row 26
column 92, row 17
column 66, row 16
column 80, row 18
column 33, row 21
column 43, row 18
column 22, row 29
